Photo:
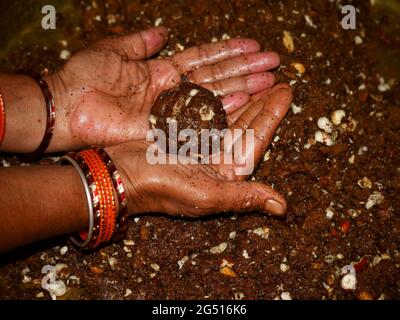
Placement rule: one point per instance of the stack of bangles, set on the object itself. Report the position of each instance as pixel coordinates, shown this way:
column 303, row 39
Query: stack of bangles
column 105, row 195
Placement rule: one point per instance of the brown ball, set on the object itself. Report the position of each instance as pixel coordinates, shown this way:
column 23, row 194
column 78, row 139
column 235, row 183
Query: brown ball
column 191, row 106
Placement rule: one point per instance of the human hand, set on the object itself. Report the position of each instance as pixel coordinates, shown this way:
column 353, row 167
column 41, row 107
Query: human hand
column 195, row 190
column 104, row 93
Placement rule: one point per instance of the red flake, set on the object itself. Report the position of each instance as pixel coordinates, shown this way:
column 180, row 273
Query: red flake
column 333, row 233
column 360, row 265
column 345, row 226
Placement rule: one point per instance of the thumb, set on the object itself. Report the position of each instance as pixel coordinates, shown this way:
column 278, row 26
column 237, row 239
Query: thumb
column 249, row 196
column 137, row 46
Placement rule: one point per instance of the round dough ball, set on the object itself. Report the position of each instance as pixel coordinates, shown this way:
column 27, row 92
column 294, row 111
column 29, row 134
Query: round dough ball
column 191, row 107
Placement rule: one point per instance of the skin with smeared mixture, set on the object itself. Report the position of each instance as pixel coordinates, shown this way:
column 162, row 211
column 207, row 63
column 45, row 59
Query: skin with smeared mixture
column 104, row 95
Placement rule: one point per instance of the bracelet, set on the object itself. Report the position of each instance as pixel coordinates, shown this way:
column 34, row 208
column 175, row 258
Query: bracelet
column 104, row 184
column 120, row 190
column 105, row 211
column 88, row 235
column 2, row 119
column 51, row 118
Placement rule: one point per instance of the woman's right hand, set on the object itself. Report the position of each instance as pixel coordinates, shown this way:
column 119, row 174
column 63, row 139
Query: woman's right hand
column 196, row 190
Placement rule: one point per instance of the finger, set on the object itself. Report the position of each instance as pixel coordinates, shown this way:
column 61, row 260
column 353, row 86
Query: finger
column 249, row 111
column 274, row 109
column 137, row 46
column 247, row 117
column 234, row 101
column 232, row 117
column 236, row 67
column 248, row 196
column 240, row 124
column 206, row 54
column 250, row 84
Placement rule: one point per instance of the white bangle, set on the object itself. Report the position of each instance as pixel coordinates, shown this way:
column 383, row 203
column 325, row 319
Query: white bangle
column 88, row 194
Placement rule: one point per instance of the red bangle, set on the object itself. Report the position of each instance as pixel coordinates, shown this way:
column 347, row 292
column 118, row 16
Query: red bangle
column 51, row 119
column 2, row 119
column 122, row 226
column 107, row 203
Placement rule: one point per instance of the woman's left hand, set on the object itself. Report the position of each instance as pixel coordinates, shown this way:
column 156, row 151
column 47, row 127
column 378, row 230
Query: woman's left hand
column 104, row 93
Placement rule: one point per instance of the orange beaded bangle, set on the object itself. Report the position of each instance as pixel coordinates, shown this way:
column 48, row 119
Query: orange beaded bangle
column 2, row 119
column 103, row 181
column 121, row 227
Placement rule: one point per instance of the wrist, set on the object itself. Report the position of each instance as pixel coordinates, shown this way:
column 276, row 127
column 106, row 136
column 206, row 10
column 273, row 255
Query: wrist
column 25, row 113
column 61, row 139
column 132, row 179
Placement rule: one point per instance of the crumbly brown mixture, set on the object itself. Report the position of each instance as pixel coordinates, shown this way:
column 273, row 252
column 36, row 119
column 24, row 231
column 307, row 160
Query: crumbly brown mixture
column 342, row 186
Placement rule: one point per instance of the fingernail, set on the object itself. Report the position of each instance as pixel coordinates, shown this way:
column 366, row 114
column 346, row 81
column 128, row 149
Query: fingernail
column 275, row 207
